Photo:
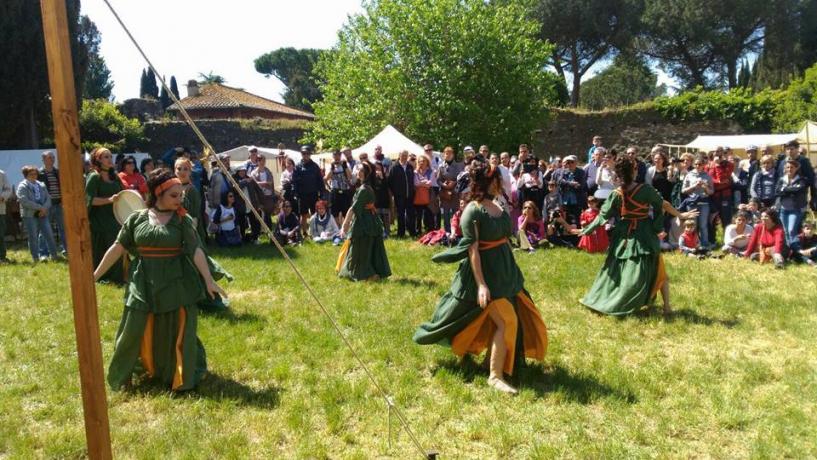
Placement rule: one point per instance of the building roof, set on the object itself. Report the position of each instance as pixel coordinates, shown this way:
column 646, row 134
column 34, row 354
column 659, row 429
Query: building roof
column 218, row 96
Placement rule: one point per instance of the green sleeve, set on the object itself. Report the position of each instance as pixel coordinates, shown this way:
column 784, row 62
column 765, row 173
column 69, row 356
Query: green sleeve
column 125, row 237
column 468, row 224
column 608, row 210
column 91, row 188
column 192, row 202
column 362, row 197
column 190, row 237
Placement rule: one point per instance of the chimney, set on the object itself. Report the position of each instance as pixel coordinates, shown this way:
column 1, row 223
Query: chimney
column 192, row 88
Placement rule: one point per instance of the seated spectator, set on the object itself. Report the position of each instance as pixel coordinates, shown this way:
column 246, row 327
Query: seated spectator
column 35, row 203
column 225, row 217
column 288, row 228
column 456, row 228
column 552, row 201
column 768, row 241
column 596, row 241
column 689, row 244
column 322, row 226
column 531, row 227
column 736, row 236
column 808, row 245
column 560, row 231
column 753, row 209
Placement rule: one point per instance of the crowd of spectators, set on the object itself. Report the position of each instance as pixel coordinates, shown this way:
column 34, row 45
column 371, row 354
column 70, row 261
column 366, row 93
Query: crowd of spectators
column 759, row 203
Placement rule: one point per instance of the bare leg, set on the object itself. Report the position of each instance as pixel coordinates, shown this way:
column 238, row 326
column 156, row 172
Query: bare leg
column 498, row 352
column 665, row 297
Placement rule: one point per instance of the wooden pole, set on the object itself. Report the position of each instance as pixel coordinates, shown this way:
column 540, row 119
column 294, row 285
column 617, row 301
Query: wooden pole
column 78, row 234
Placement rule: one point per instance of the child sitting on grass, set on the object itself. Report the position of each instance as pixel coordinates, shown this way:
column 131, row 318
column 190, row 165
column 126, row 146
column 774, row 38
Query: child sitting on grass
column 808, row 245
column 689, row 244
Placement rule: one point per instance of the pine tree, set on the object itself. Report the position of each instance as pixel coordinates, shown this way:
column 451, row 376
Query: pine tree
column 152, row 87
column 164, row 99
column 174, row 88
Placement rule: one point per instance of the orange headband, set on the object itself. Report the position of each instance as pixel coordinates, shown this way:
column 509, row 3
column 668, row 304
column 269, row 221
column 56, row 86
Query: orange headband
column 166, row 185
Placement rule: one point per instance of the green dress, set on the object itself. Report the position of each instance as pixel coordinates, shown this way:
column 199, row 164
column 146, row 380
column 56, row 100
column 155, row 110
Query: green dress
column 157, row 334
column 633, row 270
column 458, row 309
column 363, row 254
column 191, row 202
column 104, row 226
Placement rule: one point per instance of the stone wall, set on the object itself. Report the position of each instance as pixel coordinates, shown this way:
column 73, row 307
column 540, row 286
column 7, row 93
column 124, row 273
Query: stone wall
column 571, row 132
column 223, row 134
column 142, row 109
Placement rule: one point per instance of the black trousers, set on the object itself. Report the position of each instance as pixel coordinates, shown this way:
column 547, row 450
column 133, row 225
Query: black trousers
column 405, row 216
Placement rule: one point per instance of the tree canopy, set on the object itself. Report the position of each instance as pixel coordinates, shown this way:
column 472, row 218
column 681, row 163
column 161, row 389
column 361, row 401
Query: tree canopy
column 447, row 72
column 294, row 67
column 627, row 80
column 98, row 83
column 103, row 125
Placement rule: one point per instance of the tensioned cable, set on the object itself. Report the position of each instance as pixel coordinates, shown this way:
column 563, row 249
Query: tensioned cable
column 208, row 151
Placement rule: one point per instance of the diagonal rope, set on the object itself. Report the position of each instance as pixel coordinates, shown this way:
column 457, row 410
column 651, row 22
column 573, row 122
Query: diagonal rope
column 209, row 151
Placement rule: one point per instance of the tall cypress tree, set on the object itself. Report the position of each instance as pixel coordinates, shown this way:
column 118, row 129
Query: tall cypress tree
column 143, row 84
column 174, row 88
column 152, row 87
column 164, row 99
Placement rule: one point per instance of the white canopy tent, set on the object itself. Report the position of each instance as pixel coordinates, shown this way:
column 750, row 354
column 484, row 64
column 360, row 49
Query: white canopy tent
column 392, row 141
column 808, row 137
column 739, row 143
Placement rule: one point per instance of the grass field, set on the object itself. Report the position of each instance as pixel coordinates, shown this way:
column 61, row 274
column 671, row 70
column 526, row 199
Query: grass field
column 733, row 374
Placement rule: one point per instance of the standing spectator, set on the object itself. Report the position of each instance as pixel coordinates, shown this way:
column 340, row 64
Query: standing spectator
column 50, row 176
column 606, row 176
column 339, row 179
column 146, row 167
column 378, row 156
column 791, row 193
column 698, row 187
column 131, row 178
column 382, row 197
column 598, row 240
column 597, row 143
column 736, row 236
column 768, row 241
column 102, row 185
column 740, row 181
column 252, row 161
column 641, row 172
column 401, row 185
column 35, row 204
column 286, row 183
column 764, row 183
column 447, row 180
column 721, row 173
column 530, row 184
column 425, row 179
column 244, row 209
column 225, row 217
column 266, row 183
column 805, row 170
column 307, row 183
column 549, row 169
column 521, row 160
column 753, row 164
column 323, row 227
column 219, row 185
column 592, row 167
column 572, row 186
column 661, row 176
column 5, row 194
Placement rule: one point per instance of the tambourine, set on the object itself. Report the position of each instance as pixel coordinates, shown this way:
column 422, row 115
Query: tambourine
column 126, row 203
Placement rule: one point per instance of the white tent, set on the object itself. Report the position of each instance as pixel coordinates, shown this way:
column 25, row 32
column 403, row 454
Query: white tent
column 12, row 161
column 808, row 136
column 392, row 141
column 739, row 143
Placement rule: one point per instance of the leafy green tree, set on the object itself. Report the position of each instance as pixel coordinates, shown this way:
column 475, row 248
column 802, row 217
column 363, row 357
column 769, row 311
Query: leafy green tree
column 790, row 43
column 210, row 77
column 97, row 84
column 101, row 124
column 799, row 103
column 294, row 68
column 626, row 81
column 24, row 91
column 585, row 32
column 448, row 72
column 744, row 75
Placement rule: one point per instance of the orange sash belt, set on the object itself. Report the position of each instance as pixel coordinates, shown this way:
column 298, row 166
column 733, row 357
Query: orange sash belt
column 149, row 252
column 371, row 208
column 486, row 245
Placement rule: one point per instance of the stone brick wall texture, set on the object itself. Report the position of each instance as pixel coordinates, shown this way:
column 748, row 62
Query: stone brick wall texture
column 222, row 134
column 570, row 132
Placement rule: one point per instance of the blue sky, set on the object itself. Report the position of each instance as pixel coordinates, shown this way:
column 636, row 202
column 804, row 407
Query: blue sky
column 185, row 37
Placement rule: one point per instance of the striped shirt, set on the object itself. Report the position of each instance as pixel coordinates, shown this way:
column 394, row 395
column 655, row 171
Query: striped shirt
column 52, row 182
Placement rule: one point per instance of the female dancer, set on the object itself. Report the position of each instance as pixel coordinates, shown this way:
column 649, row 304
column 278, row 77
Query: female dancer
column 634, row 269
column 168, row 276
column 101, row 187
column 363, row 255
column 191, row 202
column 487, row 305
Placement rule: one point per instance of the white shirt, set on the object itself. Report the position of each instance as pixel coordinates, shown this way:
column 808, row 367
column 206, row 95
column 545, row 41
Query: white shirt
column 228, row 225
column 507, row 186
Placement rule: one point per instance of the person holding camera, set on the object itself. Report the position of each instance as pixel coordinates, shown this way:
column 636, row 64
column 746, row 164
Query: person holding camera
column 339, row 180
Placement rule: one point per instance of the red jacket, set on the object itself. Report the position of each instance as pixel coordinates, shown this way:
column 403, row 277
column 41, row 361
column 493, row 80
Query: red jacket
column 764, row 238
column 722, row 178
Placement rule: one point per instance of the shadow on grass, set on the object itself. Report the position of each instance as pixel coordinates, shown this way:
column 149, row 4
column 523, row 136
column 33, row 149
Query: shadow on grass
column 232, row 317
column 414, row 282
column 264, row 251
column 216, row 388
column 686, row 315
column 579, row 388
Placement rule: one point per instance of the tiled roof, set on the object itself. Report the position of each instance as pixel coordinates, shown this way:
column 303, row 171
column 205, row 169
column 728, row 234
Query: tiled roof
column 217, row 96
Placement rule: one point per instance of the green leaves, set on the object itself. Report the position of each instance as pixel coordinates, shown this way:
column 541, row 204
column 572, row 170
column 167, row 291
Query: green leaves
column 446, row 72
column 754, row 112
column 295, row 69
column 102, row 125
